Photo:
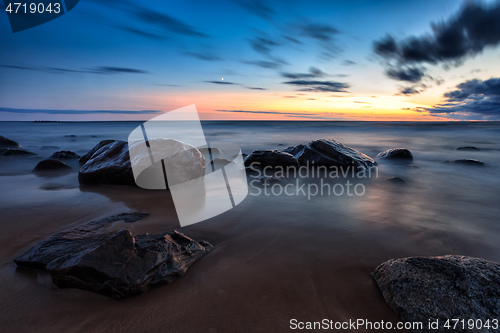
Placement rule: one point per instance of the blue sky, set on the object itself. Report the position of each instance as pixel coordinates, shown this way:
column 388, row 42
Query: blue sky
column 277, row 56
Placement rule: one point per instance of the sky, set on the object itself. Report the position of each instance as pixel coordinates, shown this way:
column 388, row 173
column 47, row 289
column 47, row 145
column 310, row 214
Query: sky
column 256, row 60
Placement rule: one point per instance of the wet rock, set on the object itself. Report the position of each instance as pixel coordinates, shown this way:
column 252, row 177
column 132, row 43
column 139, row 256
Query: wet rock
column 396, row 180
column 91, row 152
column 471, row 162
column 420, row 289
column 114, row 264
column 213, row 151
column 268, row 180
column 51, row 165
column 396, row 154
column 64, row 155
column 328, row 152
column 8, row 143
column 109, row 164
column 468, row 148
column 271, row 158
column 15, row 152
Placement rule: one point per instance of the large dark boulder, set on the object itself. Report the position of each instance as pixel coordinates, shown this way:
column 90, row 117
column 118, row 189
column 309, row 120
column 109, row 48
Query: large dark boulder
column 420, row 289
column 271, row 158
column 91, row 152
column 15, row 152
column 115, row 264
column 471, row 162
column 328, row 152
column 8, row 143
column 51, row 166
column 64, row 155
column 396, row 154
column 109, row 164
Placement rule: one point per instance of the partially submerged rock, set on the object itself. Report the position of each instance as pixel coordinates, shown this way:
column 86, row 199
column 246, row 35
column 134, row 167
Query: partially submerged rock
column 471, row 162
column 64, row 155
column 328, row 152
column 396, row 154
column 420, row 289
column 51, row 166
column 396, row 180
column 114, row 264
column 468, row 148
column 270, row 158
column 8, row 143
column 13, row 152
column 109, row 164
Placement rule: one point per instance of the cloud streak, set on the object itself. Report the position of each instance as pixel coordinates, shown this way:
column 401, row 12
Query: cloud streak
column 319, row 86
column 30, row 111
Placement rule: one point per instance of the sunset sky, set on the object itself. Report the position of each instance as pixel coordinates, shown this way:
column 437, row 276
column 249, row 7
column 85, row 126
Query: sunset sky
column 244, row 59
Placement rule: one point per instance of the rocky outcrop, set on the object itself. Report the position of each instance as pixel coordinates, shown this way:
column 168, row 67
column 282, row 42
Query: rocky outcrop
column 51, row 166
column 396, row 154
column 14, row 152
column 328, row 152
column 91, row 152
column 114, row 264
column 8, row 143
column 396, row 180
column 270, row 158
column 471, row 162
column 420, row 289
column 108, row 164
column 64, row 155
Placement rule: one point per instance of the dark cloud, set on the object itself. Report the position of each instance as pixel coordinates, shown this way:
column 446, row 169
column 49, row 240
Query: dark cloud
column 78, row 111
column 204, row 56
column 319, row 86
column 481, row 98
column 263, row 44
column 257, row 7
column 221, row 82
column 408, row 74
column 319, row 31
column 451, row 42
column 306, row 115
column 94, row 70
column 408, row 91
column 313, row 73
column 348, row 63
column 289, row 96
column 266, row 64
column 256, row 88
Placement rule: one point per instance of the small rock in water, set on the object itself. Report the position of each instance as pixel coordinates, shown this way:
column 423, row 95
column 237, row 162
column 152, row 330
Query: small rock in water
column 64, row 155
column 270, row 158
column 70, row 136
column 471, row 162
column 8, row 143
column 396, row 154
column 51, row 165
column 115, row 264
column 268, row 180
column 13, row 152
column 396, row 180
column 423, row 289
column 468, row 148
column 328, row 152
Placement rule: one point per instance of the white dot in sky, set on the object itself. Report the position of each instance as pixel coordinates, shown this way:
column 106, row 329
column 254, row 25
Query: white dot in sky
column 222, row 79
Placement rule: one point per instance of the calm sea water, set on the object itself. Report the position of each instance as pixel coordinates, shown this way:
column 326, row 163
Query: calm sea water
column 290, row 256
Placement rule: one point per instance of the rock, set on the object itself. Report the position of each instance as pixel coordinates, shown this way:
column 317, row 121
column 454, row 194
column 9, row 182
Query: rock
column 8, row 143
column 396, row 180
column 70, row 136
column 91, row 152
column 471, row 162
column 113, row 264
column 64, row 155
column 109, row 164
column 268, row 180
column 271, row 158
column 15, row 152
column 420, row 289
column 396, row 154
column 51, row 165
column 213, row 151
column 328, row 152
column 468, row 148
